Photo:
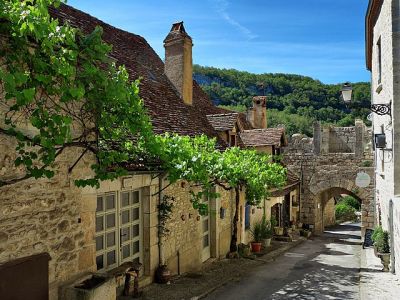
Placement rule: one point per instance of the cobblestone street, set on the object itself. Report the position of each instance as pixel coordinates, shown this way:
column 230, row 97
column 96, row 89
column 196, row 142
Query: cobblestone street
column 326, row 267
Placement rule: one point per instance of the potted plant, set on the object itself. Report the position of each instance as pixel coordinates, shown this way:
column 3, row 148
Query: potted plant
column 382, row 247
column 293, row 225
column 277, row 229
column 376, row 238
column 256, row 233
column 266, row 232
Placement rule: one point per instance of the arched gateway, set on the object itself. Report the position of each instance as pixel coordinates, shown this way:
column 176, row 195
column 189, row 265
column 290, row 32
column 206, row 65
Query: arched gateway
column 328, row 165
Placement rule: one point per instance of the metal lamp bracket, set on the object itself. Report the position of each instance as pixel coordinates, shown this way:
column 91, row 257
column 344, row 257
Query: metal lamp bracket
column 382, row 109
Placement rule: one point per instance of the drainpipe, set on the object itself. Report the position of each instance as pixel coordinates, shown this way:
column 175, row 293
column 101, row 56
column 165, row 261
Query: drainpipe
column 391, row 232
column 161, row 260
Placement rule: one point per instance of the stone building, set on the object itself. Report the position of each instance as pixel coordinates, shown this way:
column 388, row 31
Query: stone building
column 86, row 231
column 382, row 59
column 328, row 166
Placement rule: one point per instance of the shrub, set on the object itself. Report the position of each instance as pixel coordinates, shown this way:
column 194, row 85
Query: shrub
column 266, row 229
column 351, row 202
column 345, row 212
column 256, row 232
column 381, row 240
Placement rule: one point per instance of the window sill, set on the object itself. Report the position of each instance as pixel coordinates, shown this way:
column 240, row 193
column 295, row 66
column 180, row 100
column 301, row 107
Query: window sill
column 379, row 88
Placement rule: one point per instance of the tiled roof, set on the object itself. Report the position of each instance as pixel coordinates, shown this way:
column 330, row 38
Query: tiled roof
column 263, row 137
column 292, row 182
column 165, row 106
column 223, row 122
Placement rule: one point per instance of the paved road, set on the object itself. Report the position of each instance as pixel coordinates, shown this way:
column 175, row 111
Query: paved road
column 326, row 267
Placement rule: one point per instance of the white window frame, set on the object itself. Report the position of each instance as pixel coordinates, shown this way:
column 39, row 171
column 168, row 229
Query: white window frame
column 119, row 244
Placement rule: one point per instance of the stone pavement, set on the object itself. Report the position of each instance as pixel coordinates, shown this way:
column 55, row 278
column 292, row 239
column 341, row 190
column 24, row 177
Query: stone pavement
column 375, row 284
column 213, row 275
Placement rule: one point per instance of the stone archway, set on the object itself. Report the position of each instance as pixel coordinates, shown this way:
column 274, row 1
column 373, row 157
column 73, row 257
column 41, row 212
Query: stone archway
column 325, row 204
column 323, row 189
column 329, row 163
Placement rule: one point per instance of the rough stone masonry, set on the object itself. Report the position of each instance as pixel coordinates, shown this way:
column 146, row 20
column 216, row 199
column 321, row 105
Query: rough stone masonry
column 327, row 165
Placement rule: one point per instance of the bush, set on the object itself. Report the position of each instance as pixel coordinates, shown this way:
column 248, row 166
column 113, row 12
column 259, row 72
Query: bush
column 345, row 212
column 266, row 228
column 381, row 240
column 350, row 201
column 256, row 232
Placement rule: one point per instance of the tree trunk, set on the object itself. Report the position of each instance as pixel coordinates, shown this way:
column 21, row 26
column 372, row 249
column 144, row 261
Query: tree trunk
column 233, row 246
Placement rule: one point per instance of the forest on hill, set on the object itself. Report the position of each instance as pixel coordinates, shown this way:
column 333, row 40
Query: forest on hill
column 293, row 101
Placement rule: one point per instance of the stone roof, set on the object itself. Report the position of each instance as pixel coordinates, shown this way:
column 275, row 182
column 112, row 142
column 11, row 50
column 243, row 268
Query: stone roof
column 166, row 108
column 223, row 122
column 263, row 137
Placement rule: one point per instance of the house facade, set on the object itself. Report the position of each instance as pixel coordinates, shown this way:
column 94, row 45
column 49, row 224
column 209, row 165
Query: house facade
column 87, row 231
column 382, row 59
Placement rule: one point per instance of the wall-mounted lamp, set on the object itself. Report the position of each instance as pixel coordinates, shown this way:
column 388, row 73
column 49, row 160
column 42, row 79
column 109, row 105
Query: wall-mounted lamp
column 379, row 109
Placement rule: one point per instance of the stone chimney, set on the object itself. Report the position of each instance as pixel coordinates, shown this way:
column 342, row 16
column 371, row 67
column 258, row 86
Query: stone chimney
column 178, row 61
column 257, row 115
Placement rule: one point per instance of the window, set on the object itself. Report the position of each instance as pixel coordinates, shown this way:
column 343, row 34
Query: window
column 118, row 229
column 247, row 213
column 233, row 140
column 379, row 53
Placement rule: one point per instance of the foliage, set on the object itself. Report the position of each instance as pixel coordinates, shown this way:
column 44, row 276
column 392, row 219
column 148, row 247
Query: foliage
column 350, row 201
column 274, row 222
column 257, row 232
column 345, row 212
column 165, row 210
column 377, row 234
column 293, row 100
column 381, row 240
column 65, row 83
column 266, row 228
column 197, row 160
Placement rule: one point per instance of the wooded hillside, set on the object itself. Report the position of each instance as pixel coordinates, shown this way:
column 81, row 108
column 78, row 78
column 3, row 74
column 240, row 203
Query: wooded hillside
column 293, row 100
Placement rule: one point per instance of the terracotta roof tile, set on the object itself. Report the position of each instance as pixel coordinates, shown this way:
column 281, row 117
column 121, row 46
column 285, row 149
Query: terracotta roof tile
column 223, row 122
column 165, row 106
column 263, row 137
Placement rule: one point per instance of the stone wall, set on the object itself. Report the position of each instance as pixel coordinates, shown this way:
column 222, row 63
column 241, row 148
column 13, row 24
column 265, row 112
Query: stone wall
column 54, row 216
column 385, row 91
column 342, row 140
column 325, row 174
column 47, row 215
column 329, row 217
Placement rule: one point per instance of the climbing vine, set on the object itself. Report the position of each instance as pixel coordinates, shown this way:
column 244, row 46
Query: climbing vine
column 73, row 95
column 65, row 85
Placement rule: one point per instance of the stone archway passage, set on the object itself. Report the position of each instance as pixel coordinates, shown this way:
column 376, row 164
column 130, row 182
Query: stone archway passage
column 326, row 201
column 325, row 171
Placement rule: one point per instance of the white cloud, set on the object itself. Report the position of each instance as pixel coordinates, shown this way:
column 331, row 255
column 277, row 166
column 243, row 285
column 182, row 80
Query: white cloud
column 222, row 9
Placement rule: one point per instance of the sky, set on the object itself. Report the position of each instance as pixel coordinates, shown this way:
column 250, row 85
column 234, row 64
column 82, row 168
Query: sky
column 323, row 39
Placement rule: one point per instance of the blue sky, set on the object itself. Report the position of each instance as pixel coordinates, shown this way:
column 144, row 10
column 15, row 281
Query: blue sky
column 323, row 39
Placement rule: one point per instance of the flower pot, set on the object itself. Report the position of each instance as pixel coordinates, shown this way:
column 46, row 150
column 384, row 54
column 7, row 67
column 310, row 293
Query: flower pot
column 376, row 251
column 278, row 230
column 300, row 225
column 163, row 274
column 255, row 247
column 385, row 260
column 266, row 242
